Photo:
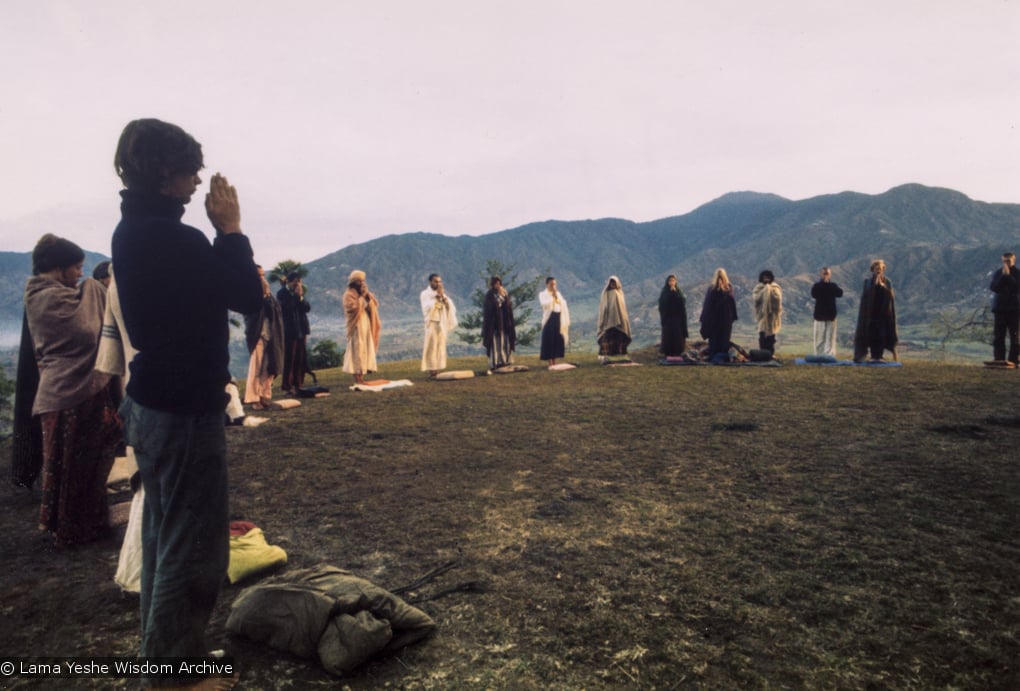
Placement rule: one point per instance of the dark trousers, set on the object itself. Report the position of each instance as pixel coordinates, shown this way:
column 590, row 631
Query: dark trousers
column 766, row 342
column 876, row 339
column 1006, row 321
column 295, row 364
column 185, row 525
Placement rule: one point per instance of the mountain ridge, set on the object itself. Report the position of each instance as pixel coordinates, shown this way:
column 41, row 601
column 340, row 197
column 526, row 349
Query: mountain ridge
column 940, row 246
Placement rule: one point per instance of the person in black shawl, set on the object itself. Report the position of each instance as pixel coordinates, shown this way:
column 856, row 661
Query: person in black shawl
column 499, row 335
column 295, row 332
column 718, row 312
column 673, row 315
column 876, row 320
column 26, row 442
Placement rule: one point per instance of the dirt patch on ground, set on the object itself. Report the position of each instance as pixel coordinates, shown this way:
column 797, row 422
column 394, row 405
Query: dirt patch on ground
column 644, row 527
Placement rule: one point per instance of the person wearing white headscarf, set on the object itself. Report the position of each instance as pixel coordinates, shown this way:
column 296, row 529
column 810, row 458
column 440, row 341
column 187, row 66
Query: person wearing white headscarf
column 555, row 322
column 613, row 324
column 363, row 327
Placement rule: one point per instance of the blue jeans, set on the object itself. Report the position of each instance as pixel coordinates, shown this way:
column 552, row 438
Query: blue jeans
column 185, row 525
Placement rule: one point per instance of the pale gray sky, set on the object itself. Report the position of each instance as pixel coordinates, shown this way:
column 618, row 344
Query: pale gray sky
column 343, row 121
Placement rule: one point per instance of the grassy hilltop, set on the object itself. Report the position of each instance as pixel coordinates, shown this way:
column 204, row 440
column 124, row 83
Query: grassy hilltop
column 640, row 527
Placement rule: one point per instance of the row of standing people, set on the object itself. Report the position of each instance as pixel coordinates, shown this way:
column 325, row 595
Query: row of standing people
column 876, row 328
column 277, row 333
column 876, row 323
column 499, row 335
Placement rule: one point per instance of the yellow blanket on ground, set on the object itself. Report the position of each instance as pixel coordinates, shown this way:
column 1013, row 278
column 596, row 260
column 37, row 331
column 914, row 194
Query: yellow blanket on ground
column 250, row 554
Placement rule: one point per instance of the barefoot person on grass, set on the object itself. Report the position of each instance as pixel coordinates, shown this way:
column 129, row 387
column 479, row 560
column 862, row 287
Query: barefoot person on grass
column 175, row 291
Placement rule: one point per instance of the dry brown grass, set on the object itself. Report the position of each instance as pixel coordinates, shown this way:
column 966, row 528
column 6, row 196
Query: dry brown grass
column 644, row 527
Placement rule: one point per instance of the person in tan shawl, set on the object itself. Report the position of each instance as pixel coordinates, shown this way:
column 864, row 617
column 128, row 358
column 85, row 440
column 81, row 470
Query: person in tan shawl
column 79, row 426
column 363, row 328
column 768, row 310
column 614, row 325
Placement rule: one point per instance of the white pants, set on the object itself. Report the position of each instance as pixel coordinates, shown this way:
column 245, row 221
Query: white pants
column 825, row 338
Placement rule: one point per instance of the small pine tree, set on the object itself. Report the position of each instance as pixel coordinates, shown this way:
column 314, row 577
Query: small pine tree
column 523, row 296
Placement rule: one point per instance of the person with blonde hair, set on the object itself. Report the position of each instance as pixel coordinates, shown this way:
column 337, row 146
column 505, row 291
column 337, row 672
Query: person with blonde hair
column 876, row 318
column 363, row 327
column 718, row 312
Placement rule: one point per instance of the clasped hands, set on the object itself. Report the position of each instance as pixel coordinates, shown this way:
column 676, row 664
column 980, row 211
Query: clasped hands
column 222, row 207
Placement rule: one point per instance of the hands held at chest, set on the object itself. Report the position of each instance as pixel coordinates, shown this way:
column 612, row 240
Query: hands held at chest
column 222, row 206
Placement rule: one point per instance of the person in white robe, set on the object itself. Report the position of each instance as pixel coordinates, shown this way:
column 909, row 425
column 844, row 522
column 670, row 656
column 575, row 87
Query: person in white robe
column 440, row 316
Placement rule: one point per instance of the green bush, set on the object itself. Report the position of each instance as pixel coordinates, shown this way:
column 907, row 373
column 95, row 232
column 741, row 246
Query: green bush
column 325, row 354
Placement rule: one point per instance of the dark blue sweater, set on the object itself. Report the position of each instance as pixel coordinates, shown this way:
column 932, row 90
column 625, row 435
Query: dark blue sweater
column 175, row 289
column 825, row 294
